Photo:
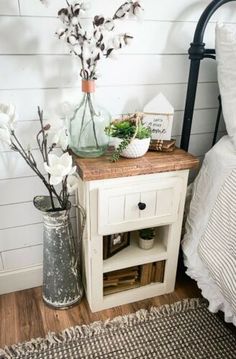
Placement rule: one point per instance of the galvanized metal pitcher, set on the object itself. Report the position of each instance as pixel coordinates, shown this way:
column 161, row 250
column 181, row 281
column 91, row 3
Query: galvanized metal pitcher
column 62, row 284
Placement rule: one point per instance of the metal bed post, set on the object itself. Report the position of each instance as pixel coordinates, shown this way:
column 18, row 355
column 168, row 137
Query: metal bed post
column 197, row 52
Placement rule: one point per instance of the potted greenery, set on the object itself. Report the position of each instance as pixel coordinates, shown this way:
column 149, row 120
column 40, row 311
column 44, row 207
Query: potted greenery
column 131, row 137
column 146, row 238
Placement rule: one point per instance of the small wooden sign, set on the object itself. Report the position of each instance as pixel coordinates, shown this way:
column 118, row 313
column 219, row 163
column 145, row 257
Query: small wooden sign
column 158, row 115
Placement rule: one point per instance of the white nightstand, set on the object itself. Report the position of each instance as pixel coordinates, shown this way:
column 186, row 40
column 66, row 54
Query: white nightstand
column 111, row 193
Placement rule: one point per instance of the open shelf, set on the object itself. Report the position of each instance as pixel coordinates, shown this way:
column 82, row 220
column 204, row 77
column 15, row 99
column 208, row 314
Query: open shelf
column 133, row 255
column 133, row 277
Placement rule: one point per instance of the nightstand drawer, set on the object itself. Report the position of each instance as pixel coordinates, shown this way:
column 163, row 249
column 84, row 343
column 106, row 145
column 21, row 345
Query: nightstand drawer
column 139, row 205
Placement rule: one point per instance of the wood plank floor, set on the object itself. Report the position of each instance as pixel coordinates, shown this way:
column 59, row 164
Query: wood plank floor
column 24, row 316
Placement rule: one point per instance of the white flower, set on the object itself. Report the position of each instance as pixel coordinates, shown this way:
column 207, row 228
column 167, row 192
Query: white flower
column 8, row 115
column 5, row 135
column 59, row 167
column 72, row 183
column 58, row 132
column 61, row 138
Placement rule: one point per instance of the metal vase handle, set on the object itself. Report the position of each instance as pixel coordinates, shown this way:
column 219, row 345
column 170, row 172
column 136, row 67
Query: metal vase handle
column 82, row 213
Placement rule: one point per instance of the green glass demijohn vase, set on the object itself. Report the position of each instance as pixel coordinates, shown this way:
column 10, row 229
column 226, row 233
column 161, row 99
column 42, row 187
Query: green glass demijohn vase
column 87, row 125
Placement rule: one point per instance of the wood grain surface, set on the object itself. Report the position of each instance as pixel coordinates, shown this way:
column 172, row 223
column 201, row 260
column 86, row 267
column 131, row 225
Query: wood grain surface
column 153, row 162
column 23, row 315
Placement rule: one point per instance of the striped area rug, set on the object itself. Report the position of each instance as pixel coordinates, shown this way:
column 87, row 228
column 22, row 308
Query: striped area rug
column 182, row 330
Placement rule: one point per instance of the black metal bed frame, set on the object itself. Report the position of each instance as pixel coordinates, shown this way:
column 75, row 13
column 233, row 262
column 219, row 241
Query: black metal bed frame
column 197, row 52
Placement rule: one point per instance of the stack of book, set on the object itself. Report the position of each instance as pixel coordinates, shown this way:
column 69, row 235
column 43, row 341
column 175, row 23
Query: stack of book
column 133, row 277
column 152, row 273
column 120, row 280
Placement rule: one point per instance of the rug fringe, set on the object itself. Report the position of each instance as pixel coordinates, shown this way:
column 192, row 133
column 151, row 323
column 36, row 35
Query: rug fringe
column 93, row 329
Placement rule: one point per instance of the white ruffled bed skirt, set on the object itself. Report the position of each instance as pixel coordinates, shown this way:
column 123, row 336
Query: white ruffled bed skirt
column 218, row 164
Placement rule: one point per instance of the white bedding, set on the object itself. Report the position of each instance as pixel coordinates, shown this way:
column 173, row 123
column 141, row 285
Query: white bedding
column 209, row 244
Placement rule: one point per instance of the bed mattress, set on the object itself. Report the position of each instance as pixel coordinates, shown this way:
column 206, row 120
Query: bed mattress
column 209, row 244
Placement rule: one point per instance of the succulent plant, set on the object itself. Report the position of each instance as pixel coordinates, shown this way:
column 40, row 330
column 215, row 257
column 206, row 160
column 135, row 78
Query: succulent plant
column 147, row 233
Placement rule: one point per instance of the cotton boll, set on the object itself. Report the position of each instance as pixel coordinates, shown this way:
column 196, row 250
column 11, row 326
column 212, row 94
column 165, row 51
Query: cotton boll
column 61, row 33
column 109, row 25
column 120, row 13
column 116, row 42
column 72, row 40
column 96, row 55
column 77, row 50
column 74, row 20
column 123, row 11
column 81, row 31
column 76, row 8
column 98, row 20
column 136, row 10
column 86, row 51
column 97, row 35
column 63, row 15
column 126, row 7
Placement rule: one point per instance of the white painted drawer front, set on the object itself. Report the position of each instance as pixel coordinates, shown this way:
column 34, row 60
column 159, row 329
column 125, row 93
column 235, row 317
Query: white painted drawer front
column 118, row 208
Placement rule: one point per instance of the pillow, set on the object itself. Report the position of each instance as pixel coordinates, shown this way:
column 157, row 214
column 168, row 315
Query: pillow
column 226, row 70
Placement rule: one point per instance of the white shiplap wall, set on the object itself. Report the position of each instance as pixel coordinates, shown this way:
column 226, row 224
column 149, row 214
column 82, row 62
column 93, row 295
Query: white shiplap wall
column 35, row 69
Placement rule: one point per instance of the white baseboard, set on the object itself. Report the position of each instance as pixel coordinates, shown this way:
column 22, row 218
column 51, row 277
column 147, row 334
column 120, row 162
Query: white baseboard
column 12, row 281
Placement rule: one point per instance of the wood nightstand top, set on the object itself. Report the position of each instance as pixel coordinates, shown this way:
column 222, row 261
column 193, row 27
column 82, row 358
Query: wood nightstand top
column 91, row 169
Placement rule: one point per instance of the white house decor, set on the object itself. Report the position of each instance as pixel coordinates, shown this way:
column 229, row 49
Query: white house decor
column 62, row 284
column 89, row 46
column 158, row 115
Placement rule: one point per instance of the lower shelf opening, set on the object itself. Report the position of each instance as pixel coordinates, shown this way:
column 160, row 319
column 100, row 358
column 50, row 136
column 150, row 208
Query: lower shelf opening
column 133, row 277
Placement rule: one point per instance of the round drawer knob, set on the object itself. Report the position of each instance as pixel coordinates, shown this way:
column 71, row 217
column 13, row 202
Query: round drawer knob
column 141, row 206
